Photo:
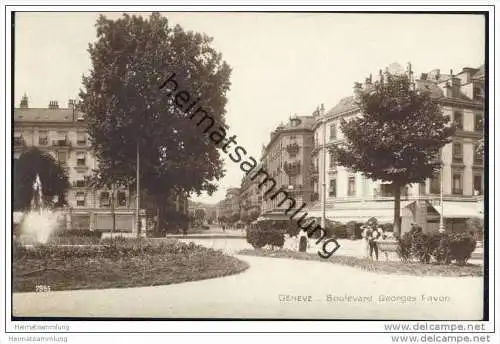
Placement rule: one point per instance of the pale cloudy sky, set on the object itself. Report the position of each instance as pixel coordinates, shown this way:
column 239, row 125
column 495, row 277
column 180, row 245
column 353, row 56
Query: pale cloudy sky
column 282, row 63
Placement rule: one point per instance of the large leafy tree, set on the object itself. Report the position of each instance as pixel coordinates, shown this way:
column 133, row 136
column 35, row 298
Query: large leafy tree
column 53, row 177
column 398, row 136
column 128, row 111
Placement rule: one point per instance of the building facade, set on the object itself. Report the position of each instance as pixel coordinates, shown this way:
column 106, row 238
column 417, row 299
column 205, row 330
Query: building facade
column 287, row 159
column 352, row 197
column 250, row 199
column 63, row 133
column 229, row 207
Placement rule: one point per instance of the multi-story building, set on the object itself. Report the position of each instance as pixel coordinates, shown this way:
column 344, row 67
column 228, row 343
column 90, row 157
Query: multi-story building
column 287, row 159
column 63, row 133
column 250, row 198
column 208, row 209
column 229, row 207
column 352, row 197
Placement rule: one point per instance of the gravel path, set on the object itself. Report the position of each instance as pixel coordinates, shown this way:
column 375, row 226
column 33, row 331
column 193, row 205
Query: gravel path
column 274, row 288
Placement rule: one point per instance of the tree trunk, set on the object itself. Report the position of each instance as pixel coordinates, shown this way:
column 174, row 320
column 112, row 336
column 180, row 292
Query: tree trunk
column 397, row 208
column 113, row 213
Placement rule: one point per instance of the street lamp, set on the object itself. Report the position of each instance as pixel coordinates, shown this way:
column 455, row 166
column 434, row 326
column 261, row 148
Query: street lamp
column 323, row 191
column 441, row 218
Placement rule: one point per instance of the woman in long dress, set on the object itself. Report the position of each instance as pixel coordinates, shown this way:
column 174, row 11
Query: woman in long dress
column 365, row 235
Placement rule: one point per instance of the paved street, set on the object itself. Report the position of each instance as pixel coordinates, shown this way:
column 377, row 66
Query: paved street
column 269, row 289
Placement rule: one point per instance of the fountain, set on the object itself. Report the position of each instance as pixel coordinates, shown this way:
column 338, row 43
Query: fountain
column 39, row 222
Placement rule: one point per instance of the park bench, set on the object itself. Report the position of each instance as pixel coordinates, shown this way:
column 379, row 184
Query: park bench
column 387, row 246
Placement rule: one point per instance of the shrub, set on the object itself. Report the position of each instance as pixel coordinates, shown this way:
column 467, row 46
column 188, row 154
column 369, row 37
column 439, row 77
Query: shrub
column 259, row 238
column 340, row 230
column 293, row 230
column 387, row 227
column 354, row 230
column 461, row 247
column 476, row 226
column 442, row 247
column 255, row 237
column 275, row 237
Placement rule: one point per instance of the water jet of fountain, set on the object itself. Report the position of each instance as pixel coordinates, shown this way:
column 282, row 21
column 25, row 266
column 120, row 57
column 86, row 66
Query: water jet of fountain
column 39, row 222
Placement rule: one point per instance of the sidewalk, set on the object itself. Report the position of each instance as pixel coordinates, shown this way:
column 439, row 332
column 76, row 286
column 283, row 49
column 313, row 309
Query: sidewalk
column 214, row 232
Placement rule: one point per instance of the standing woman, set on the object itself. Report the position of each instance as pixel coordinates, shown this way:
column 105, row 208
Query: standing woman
column 366, row 235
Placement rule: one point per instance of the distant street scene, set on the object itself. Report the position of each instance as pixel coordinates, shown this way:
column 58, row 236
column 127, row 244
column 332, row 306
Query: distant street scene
column 249, row 165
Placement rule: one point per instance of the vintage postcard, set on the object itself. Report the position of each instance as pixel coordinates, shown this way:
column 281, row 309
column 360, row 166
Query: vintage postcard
column 250, row 165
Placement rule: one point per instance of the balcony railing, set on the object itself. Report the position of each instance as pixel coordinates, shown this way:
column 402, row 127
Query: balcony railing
column 79, row 184
column 293, row 149
column 61, row 143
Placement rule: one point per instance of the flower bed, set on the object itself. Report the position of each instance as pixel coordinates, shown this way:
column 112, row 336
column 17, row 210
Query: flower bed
column 117, row 263
column 384, row 267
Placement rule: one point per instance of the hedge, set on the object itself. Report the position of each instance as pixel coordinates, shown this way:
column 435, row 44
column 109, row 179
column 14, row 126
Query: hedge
column 443, row 248
column 259, row 238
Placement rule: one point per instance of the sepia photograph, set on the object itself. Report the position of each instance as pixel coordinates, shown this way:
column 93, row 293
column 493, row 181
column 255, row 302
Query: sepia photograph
column 249, row 165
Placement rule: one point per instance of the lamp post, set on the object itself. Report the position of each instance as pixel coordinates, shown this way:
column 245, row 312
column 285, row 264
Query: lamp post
column 323, row 181
column 441, row 218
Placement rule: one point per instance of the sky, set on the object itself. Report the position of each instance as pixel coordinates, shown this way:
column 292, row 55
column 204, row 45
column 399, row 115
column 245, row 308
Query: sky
column 282, row 63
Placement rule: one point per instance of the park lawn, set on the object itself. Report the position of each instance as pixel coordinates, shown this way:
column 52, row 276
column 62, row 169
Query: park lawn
column 120, row 266
column 381, row 266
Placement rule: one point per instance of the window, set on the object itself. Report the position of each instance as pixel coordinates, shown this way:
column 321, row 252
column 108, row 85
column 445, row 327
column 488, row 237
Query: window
column 43, row 137
column 458, row 120
column 333, row 131
column 81, row 138
column 478, row 155
column 121, row 198
column 478, row 93
column 478, row 184
column 104, row 199
column 386, row 190
column 292, row 180
column 478, row 122
column 80, row 183
column 351, row 186
column 61, row 157
column 292, row 137
column 332, row 160
column 457, row 188
column 435, row 183
column 80, row 199
column 458, row 154
column 18, row 138
column 80, row 159
column 332, row 191
column 61, row 138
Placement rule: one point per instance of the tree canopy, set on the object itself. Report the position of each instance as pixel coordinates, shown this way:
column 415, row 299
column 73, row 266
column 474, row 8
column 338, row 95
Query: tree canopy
column 398, row 136
column 53, row 177
column 125, row 107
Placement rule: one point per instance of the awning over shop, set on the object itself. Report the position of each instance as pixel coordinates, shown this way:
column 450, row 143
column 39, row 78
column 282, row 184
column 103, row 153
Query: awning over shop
column 459, row 210
column 362, row 211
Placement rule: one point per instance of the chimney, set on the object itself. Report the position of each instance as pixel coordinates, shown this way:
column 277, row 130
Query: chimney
column 455, row 85
column 53, row 104
column 24, row 102
column 368, row 81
